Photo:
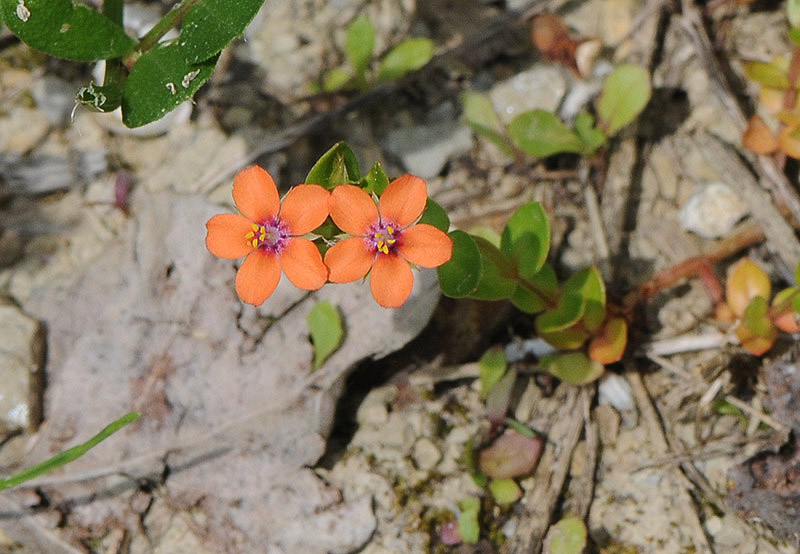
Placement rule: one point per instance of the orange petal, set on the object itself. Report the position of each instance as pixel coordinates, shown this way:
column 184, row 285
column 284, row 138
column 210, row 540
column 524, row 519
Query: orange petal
column 391, row 281
column 425, row 245
column 257, row 277
column 348, row 260
column 226, row 236
column 302, row 264
column 403, row 200
column 352, row 209
column 305, row 208
column 255, row 194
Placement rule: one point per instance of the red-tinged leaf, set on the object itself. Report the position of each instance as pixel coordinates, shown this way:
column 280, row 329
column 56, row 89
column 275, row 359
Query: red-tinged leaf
column 745, row 281
column 786, row 318
column 758, row 137
column 511, row 455
column 608, row 345
column 754, row 344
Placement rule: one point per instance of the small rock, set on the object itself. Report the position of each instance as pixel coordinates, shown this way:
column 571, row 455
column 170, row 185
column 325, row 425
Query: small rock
column 55, row 97
column 21, row 359
column 425, row 149
column 426, row 455
column 616, row 391
column 21, row 129
column 713, row 211
column 543, row 86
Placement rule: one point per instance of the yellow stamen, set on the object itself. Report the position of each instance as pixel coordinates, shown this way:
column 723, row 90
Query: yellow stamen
column 250, row 235
column 391, row 231
column 255, row 243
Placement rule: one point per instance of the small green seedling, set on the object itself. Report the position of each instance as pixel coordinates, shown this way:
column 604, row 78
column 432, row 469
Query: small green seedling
column 539, row 133
column 408, row 56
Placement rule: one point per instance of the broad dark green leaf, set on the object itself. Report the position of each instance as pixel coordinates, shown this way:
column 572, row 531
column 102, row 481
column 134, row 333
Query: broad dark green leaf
column 159, row 82
column 460, row 276
column 625, row 93
column 435, row 215
column 533, row 296
column 336, row 166
column 540, row 134
column 59, row 28
column 497, row 281
column 409, row 55
column 212, row 24
column 359, row 44
column 68, row 455
column 325, row 326
column 526, row 239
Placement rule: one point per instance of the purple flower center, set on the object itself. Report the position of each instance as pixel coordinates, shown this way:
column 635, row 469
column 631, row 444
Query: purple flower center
column 271, row 235
column 383, row 236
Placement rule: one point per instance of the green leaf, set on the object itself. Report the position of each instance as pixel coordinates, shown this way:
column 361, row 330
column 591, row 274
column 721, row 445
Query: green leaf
column 480, row 116
column 69, row 455
column 460, row 276
column 497, row 282
column 505, row 491
column 566, row 339
column 592, row 137
column 491, row 368
column 336, row 166
column 526, row 239
column 540, row 134
column 409, row 55
column 468, row 526
column 772, row 74
column 520, row 428
column 568, row 536
column 794, row 35
column 797, row 275
column 625, row 93
column 499, row 397
column 376, row 181
column 574, row 368
column 569, row 311
column 336, row 79
column 325, row 325
column 359, row 44
column 59, row 28
column 756, row 318
column 99, row 98
column 212, row 24
column 534, row 296
column 159, row 82
column 435, row 215
column 589, row 284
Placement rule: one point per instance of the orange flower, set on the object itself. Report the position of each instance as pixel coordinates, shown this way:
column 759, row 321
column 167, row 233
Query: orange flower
column 385, row 239
column 268, row 233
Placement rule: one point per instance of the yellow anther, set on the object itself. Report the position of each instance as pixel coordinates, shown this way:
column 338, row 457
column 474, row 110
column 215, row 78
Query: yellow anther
column 254, row 226
column 255, row 243
column 389, row 228
column 391, row 241
column 250, row 235
column 378, row 235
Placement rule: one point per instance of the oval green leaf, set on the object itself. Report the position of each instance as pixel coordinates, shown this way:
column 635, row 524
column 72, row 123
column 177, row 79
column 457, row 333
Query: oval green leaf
column 540, row 134
column 574, row 368
column 526, row 239
column 59, row 28
column 360, row 43
column 460, row 276
column 159, row 82
column 497, row 281
column 592, row 137
column 569, row 311
column 212, row 24
column 376, row 181
column 435, row 215
column 625, row 93
column 336, row 166
column 590, row 285
column 409, row 55
column 756, row 318
column 325, row 326
column 505, row 491
column 468, row 526
column 568, row 536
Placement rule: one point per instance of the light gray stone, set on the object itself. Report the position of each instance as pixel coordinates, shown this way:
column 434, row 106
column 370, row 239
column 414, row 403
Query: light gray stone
column 425, row 149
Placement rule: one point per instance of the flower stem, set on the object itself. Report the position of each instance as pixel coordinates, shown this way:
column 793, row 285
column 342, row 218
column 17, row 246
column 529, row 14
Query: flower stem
column 171, row 20
column 115, row 72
